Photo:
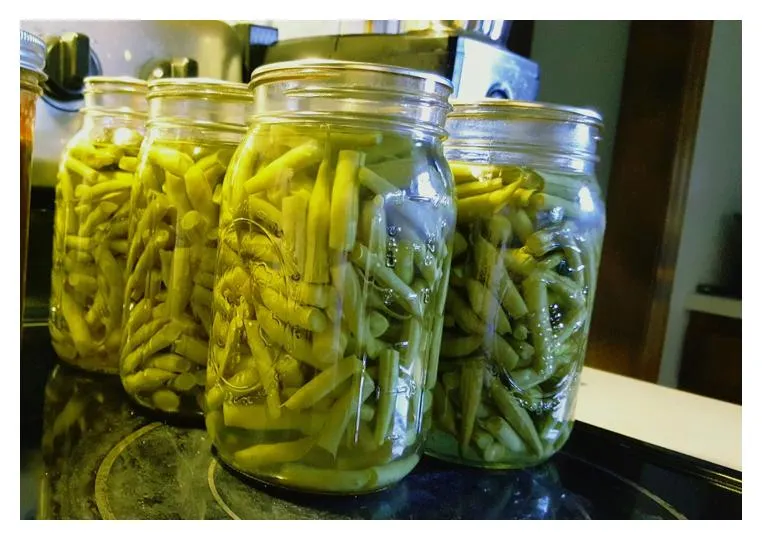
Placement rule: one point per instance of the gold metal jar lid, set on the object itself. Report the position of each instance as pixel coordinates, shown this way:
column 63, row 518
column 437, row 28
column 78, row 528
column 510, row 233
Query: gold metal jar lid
column 32, row 53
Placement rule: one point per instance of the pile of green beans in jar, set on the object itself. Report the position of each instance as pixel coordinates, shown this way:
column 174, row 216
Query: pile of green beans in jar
column 331, row 278
column 173, row 235
column 517, row 315
column 92, row 209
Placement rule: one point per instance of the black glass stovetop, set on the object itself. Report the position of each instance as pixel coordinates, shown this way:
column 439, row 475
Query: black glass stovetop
column 87, row 453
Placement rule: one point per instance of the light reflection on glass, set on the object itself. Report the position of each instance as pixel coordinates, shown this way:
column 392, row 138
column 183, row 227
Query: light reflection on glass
column 586, row 202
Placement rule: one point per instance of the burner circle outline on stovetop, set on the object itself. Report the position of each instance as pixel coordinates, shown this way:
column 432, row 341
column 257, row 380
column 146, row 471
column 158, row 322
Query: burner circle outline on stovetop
column 637, row 487
column 101, row 477
column 214, row 467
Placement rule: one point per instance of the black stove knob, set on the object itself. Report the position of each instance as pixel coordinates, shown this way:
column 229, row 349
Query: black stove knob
column 69, row 60
column 499, row 91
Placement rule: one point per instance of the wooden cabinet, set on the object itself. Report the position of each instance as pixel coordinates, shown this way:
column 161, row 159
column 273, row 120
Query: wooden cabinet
column 711, row 360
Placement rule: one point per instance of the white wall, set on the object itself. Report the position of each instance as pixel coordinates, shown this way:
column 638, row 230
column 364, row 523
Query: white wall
column 582, row 64
column 715, row 186
column 301, row 29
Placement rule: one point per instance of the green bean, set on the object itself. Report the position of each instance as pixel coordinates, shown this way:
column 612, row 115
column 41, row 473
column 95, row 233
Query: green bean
column 263, row 211
column 384, row 475
column 488, row 203
column 88, row 174
column 300, row 157
column 173, row 363
column 345, row 408
column 404, row 265
column 456, row 347
column 571, row 324
column 316, row 267
column 536, row 294
column 443, row 410
column 412, row 329
column 303, row 293
column 492, row 272
column 172, row 161
column 344, row 201
column 146, row 380
column 322, row 384
column 327, row 347
column 330, row 480
column 166, row 400
column 487, row 307
column 78, row 328
column 372, row 226
column 463, row 173
column 256, row 417
column 283, row 335
column 520, row 332
column 499, row 230
column 193, row 349
column 521, row 224
column 460, row 245
column 504, row 433
column 295, row 228
column 289, row 371
column 471, row 189
column 470, row 397
column 267, row 454
column 377, row 324
column 528, row 378
column 388, row 375
column 292, row 313
column 200, row 193
column 368, row 262
column 348, row 288
column 518, row 418
column 434, row 352
column 464, row 316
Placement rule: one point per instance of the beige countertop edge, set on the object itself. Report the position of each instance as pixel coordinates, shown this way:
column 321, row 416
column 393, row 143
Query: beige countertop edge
column 697, row 426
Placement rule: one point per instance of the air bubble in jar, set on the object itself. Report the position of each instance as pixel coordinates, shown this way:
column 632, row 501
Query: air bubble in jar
column 426, row 295
column 388, row 297
column 431, row 244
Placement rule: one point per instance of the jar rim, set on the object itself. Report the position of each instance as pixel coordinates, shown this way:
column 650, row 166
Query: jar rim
column 96, row 84
column 32, row 53
column 489, row 108
column 198, row 87
column 279, row 71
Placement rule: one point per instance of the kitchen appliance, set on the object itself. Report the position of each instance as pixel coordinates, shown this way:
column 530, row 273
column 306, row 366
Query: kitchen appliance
column 101, row 458
column 469, row 53
column 142, row 49
column 78, row 48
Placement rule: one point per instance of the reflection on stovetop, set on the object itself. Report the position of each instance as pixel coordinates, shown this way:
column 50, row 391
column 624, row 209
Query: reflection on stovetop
column 102, row 458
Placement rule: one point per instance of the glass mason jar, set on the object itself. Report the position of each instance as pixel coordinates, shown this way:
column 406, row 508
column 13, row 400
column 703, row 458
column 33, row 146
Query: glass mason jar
column 32, row 62
column 194, row 127
column 92, row 205
column 525, row 260
column 336, row 234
